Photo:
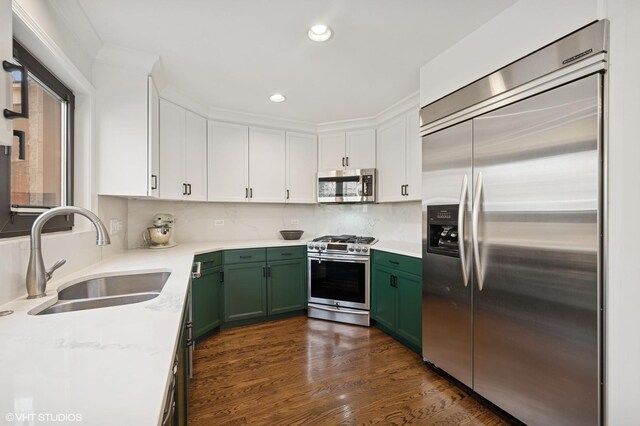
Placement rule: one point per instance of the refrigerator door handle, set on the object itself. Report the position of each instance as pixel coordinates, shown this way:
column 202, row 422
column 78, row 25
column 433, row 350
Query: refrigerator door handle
column 461, row 210
column 474, row 233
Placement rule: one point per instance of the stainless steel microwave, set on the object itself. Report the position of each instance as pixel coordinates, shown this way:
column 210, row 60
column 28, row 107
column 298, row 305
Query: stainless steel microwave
column 347, row 186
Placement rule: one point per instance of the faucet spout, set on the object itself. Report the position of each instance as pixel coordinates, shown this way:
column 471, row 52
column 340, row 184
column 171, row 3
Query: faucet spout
column 37, row 276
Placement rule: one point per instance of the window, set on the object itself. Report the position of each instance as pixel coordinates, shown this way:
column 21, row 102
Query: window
column 36, row 173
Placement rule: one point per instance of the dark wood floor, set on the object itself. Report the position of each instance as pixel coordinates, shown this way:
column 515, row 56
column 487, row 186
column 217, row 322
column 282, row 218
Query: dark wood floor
column 302, row 371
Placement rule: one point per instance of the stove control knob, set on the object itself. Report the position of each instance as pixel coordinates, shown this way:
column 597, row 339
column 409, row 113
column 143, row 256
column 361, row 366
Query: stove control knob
column 350, row 248
column 316, row 246
column 365, row 249
column 358, row 249
column 323, row 247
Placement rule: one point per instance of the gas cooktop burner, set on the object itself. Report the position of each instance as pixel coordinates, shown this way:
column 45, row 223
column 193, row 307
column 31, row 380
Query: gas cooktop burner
column 341, row 244
column 349, row 239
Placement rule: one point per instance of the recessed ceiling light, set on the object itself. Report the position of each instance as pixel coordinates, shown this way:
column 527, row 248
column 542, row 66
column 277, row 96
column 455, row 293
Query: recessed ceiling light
column 320, row 32
column 277, row 97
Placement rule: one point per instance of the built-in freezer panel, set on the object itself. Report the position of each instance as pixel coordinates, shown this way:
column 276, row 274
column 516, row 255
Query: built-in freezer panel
column 447, row 287
column 536, row 295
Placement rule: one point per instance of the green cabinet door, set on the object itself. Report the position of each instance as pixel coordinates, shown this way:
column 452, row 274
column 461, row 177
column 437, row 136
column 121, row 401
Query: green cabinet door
column 245, row 291
column 383, row 296
column 409, row 315
column 286, row 286
column 206, row 301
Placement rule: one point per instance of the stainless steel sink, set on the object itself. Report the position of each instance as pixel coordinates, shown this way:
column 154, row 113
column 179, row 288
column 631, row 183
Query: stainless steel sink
column 110, row 290
column 115, row 285
column 80, row 305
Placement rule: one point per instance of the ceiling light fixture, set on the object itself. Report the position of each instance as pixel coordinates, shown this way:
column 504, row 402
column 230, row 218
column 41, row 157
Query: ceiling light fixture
column 277, row 97
column 320, row 32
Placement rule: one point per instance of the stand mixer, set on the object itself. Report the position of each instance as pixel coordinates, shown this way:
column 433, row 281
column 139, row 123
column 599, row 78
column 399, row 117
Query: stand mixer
column 160, row 235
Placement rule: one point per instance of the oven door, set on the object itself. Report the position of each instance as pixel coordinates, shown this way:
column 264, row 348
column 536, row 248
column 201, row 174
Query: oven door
column 340, row 280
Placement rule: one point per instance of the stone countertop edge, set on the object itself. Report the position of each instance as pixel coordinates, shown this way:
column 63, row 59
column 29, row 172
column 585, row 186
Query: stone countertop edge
column 399, row 247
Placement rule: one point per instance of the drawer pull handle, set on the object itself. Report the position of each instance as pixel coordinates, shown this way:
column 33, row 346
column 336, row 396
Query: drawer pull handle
column 286, row 254
column 246, row 257
column 394, row 262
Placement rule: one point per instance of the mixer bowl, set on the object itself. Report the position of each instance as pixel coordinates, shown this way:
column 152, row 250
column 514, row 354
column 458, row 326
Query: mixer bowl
column 159, row 235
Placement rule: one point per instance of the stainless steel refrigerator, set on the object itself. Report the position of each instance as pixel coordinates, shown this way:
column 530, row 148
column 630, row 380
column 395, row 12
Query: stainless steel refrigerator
column 512, row 247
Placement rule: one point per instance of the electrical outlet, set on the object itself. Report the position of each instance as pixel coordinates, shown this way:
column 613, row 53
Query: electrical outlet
column 295, row 221
column 218, row 222
column 115, row 226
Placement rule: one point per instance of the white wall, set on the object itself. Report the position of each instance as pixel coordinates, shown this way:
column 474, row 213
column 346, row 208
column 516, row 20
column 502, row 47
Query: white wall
column 524, row 27
column 251, row 221
column 42, row 32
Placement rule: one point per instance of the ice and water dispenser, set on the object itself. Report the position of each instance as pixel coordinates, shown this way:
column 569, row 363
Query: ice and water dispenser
column 443, row 230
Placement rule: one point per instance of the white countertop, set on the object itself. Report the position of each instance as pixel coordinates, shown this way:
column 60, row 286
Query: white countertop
column 399, row 247
column 109, row 366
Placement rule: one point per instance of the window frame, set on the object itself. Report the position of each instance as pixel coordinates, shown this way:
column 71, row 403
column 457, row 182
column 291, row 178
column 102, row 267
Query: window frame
column 14, row 225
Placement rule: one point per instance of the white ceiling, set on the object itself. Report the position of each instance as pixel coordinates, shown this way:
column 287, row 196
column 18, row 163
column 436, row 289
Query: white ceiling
column 233, row 54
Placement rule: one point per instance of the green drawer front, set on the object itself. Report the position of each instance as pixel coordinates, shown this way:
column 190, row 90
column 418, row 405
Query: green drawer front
column 284, row 253
column 245, row 255
column 407, row 264
column 210, row 260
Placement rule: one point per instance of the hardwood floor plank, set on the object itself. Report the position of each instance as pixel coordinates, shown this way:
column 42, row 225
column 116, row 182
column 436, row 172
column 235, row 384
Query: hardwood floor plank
column 301, row 371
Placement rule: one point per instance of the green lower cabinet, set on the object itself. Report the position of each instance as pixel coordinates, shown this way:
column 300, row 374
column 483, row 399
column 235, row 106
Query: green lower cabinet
column 384, row 297
column 206, row 302
column 397, row 297
column 245, row 291
column 285, row 286
column 409, row 316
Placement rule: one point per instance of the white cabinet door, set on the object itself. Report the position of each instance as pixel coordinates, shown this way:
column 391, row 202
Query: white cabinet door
column 302, row 163
column 172, row 150
column 331, row 151
column 228, row 159
column 391, row 153
column 196, row 157
column 361, row 149
column 6, row 54
column 414, row 157
column 266, row 165
column 153, row 138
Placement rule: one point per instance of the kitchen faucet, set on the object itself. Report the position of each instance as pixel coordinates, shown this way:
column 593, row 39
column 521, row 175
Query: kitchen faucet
column 37, row 276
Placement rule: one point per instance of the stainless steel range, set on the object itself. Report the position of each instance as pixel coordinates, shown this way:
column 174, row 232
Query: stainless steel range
column 339, row 279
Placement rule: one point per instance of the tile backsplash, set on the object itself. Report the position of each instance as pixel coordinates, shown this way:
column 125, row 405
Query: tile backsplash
column 196, row 222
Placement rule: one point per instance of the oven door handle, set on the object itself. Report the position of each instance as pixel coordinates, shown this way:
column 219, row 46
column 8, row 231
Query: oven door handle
column 339, row 309
column 349, row 259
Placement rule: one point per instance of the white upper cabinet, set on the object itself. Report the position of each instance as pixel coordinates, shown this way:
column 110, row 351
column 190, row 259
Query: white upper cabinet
column 391, row 160
column 331, row 151
column 172, row 149
column 266, row 165
column 301, row 168
column 246, row 164
column 399, row 159
column 414, row 157
column 183, row 153
column 196, row 157
column 361, row 149
column 153, row 138
column 6, row 54
column 347, row 150
column 127, row 131
column 228, row 162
